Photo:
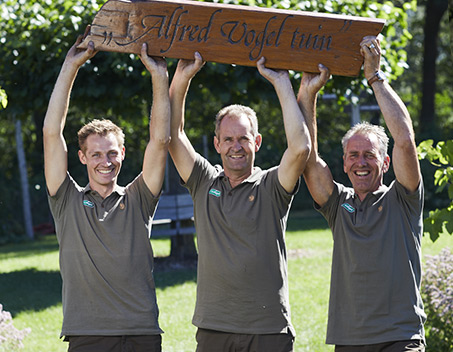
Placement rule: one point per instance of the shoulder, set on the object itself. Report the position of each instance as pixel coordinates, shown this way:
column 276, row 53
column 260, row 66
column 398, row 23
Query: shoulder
column 203, row 169
column 137, row 187
column 68, row 187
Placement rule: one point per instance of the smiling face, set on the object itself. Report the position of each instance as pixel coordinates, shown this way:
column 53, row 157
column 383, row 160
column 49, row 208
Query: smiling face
column 237, row 145
column 364, row 164
column 103, row 157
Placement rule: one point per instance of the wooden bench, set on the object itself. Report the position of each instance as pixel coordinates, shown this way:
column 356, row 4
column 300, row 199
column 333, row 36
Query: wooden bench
column 174, row 216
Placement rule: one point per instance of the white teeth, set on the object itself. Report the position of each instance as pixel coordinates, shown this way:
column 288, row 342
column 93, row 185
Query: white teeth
column 105, row 171
column 362, row 173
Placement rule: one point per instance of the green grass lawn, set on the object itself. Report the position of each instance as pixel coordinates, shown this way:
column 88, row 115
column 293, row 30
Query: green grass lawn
column 30, row 288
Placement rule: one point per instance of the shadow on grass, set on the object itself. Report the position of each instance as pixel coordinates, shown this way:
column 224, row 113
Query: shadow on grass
column 174, row 277
column 306, row 221
column 34, row 290
column 27, row 248
column 29, row 289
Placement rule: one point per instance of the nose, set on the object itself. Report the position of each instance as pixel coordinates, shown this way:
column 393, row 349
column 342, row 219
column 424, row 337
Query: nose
column 237, row 146
column 362, row 160
column 106, row 160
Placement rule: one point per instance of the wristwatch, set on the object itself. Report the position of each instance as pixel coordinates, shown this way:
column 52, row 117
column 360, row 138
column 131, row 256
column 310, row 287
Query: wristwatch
column 378, row 76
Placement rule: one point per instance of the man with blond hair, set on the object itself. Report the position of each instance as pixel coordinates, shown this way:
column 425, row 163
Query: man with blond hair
column 106, row 260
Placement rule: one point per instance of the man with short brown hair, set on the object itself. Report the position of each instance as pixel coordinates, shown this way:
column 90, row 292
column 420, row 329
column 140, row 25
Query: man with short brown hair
column 240, row 218
column 106, row 259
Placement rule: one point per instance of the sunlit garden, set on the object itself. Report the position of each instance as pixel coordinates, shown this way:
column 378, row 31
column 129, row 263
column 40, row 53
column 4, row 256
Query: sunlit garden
column 30, row 288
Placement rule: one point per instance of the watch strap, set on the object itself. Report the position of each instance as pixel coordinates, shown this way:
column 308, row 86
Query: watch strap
column 378, row 76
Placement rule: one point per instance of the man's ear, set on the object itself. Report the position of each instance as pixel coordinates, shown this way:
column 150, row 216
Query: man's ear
column 386, row 165
column 258, row 141
column 82, row 157
column 123, row 153
column 216, row 144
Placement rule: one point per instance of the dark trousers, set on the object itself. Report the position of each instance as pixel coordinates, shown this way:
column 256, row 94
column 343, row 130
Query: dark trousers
column 217, row 341
column 394, row 346
column 129, row 343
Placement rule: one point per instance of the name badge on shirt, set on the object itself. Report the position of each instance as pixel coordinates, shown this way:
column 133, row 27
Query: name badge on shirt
column 215, row 192
column 88, row 204
column 348, row 207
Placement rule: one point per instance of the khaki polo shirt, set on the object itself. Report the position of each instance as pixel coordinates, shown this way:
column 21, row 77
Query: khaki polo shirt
column 106, row 260
column 376, row 265
column 242, row 284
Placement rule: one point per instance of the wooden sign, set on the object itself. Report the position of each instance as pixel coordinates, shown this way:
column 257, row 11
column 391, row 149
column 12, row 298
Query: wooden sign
column 233, row 34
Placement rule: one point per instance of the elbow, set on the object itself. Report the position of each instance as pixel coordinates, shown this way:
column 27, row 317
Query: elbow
column 49, row 131
column 302, row 145
column 302, row 152
column 306, row 151
column 161, row 142
column 164, row 142
column 406, row 142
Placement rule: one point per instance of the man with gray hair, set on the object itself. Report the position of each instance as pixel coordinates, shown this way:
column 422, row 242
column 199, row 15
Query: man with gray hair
column 375, row 302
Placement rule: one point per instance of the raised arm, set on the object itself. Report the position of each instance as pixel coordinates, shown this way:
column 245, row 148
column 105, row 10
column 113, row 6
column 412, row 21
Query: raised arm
column 155, row 158
column 317, row 174
column 396, row 116
column 55, row 150
column 181, row 150
column 295, row 156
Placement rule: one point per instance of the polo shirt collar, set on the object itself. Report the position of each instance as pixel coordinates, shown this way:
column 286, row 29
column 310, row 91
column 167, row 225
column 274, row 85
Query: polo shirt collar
column 382, row 189
column 255, row 175
column 118, row 189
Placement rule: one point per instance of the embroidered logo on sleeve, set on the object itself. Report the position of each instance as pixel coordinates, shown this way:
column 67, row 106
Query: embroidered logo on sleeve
column 348, row 207
column 88, row 204
column 215, row 192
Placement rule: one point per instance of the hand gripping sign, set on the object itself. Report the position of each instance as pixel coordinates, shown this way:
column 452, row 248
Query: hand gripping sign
column 233, row 34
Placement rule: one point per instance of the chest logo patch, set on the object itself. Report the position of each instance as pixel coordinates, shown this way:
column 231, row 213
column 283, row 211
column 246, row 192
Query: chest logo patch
column 348, row 207
column 215, row 192
column 88, row 204
column 251, row 198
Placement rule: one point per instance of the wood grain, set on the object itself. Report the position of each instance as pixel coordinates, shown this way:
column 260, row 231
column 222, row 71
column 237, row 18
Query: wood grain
column 233, row 34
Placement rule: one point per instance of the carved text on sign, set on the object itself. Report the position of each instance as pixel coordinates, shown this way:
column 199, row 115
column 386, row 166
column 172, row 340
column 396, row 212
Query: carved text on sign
column 233, row 34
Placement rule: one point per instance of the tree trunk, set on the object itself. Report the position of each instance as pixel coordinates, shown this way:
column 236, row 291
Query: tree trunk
column 182, row 246
column 26, row 207
column 435, row 9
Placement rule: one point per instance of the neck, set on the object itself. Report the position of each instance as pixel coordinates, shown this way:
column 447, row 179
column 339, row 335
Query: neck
column 237, row 179
column 103, row 191
column 362, row 196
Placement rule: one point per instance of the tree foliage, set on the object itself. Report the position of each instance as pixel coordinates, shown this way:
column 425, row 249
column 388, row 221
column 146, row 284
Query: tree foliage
column 439, row 127
column 3, row 99
column 36, row 34
column 441, row 156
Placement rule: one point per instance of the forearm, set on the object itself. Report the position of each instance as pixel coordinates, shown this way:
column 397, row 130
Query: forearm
column 180, row 149
column 394, row 111
column 159, row 125
column 178, row 93
column 59, row 101
column 405, row 159
column 296, row 131
column 307, row 104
